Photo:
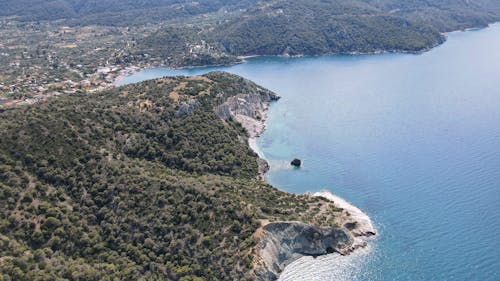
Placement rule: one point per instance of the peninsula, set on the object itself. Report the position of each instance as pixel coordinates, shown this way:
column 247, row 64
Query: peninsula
column 153, row 180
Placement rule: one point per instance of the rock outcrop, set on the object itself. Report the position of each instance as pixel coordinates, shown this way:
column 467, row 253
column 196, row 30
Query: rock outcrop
column 355, row 220
column 281, row 243
column 250, row 110
column 296, row 162
column 187, row 108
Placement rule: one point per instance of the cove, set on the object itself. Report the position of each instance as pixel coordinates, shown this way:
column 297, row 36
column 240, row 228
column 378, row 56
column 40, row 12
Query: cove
column 413, row 140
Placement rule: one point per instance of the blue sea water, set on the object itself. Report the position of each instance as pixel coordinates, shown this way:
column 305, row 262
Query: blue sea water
column 414, row 140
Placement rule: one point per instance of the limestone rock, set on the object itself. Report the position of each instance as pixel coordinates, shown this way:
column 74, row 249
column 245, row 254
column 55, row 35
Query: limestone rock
column 284, row 242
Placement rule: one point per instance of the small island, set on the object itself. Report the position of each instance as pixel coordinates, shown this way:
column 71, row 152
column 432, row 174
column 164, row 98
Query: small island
column 296, row 163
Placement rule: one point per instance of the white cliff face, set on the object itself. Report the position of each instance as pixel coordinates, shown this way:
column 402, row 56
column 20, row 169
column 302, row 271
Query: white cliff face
column 250, row 110
column 281, row 243
column 359, row 223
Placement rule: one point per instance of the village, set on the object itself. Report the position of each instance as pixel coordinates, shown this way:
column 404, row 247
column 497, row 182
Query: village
column 42, row 60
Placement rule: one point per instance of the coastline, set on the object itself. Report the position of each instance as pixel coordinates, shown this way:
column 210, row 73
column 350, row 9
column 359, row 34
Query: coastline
column 363, row 227
column 274, row 253
column 256, row 127
column 129, row 70
column 251, row 111
column 360, row 224
column 125, row 72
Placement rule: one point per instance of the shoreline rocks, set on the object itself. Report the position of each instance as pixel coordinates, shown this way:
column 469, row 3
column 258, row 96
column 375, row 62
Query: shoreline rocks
column 358, row 223
column 250, row 110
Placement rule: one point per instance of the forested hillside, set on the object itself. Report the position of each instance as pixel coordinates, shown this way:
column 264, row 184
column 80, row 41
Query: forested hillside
column 114, row 12
column 314, row 27
column 143, row 182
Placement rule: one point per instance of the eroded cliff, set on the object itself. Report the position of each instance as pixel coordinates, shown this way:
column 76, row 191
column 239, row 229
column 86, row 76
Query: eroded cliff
column 281, row 243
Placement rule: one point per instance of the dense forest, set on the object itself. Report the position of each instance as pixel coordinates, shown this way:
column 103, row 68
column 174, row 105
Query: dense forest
column 114, row 12
column 142, row 182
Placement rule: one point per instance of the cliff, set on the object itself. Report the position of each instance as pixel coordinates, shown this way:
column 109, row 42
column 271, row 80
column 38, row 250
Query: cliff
column 281, row 243
column 250, row 110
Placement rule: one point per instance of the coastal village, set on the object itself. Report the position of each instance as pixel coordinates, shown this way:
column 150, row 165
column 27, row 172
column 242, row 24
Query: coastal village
column 45, row 59
column 103, row 78
column 54, row 60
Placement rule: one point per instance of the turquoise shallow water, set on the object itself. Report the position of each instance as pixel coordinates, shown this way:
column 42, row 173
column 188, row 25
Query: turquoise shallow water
column 414, row 140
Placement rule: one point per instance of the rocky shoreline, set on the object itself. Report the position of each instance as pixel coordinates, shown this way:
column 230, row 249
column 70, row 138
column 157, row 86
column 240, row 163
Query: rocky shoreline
column 354, row 219
column 250, row 110
column 281, row 243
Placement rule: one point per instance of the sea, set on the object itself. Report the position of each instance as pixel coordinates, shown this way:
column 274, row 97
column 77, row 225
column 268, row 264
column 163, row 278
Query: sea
column 411, row 139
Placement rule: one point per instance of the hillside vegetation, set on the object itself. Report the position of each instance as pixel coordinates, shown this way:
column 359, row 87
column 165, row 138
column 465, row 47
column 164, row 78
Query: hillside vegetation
column 314, row 27
column 114, row 12
column 142, row 182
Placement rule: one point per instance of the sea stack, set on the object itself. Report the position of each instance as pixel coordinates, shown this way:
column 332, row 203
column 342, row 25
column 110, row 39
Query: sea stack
column 296, row 162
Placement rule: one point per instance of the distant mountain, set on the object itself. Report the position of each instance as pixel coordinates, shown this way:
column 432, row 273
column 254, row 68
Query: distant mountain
column 445, row 15
column 315, row 27
column 312, row 27
column 114, row 12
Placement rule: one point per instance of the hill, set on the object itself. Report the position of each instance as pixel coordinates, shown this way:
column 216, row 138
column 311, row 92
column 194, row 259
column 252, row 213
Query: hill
column 298, row 27
column 318, row 27
column 142, row 182
column 114, row 12
column 315, row 27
